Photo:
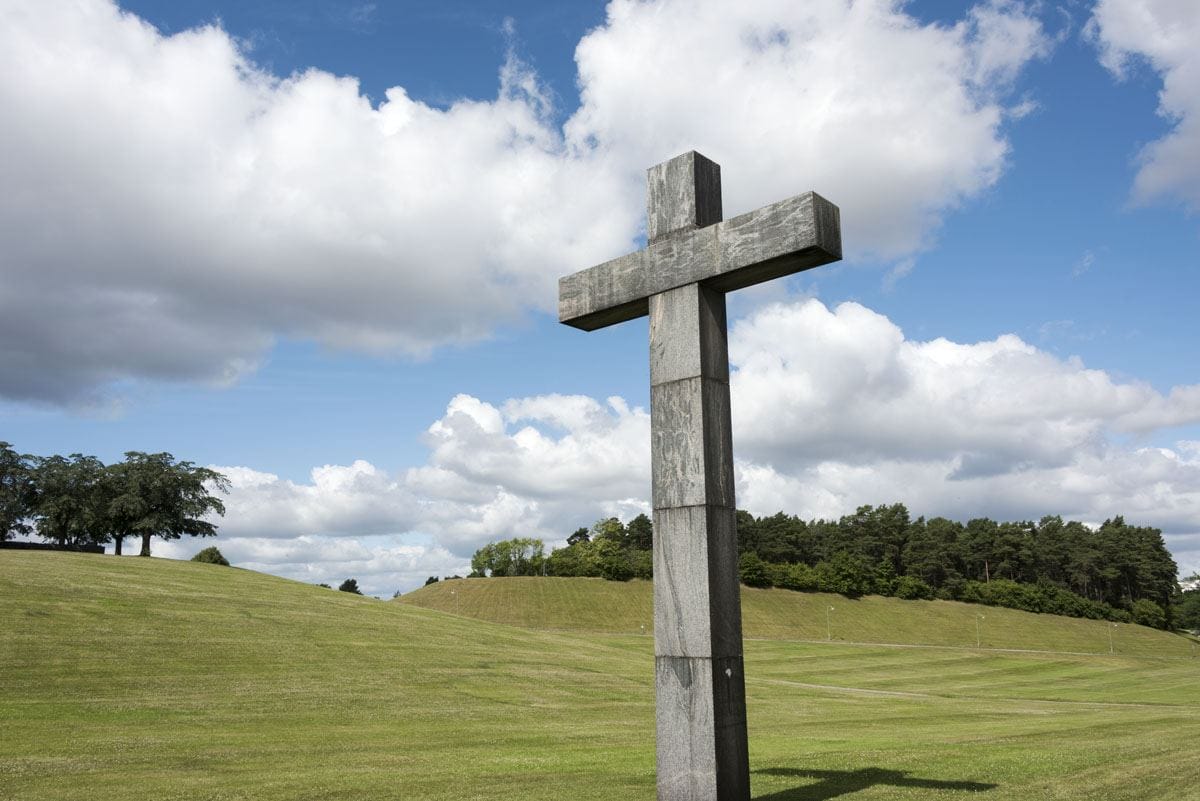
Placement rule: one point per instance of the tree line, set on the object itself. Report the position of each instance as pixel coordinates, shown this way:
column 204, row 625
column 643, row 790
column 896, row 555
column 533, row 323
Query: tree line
column 1118, row 571
column 610, row 549
column 77, row 500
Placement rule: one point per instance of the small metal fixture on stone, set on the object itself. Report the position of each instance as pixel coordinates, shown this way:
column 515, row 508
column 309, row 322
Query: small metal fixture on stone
column 680, row 279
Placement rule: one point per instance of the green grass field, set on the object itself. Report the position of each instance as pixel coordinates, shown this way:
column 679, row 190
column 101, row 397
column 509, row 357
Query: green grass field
column 151, row 679
column 606, row 606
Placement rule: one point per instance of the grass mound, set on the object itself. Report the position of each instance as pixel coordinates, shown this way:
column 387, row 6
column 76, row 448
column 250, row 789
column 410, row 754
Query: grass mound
column 151, row 679
column 575, row 604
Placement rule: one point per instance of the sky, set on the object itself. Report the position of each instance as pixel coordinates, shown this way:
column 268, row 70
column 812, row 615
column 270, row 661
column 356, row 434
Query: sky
column 315, row 245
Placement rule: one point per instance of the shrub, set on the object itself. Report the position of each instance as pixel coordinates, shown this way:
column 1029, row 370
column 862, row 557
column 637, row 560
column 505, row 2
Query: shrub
column 1008, row 593
column 643, row 563
column 844, row 573
column 1147, row 613
column 614, row 561
column 428, row 581
column 752, row 570
column 776, row 573
column 211, row 556
column 911, row 588
column 350, row 585
column 799, row 577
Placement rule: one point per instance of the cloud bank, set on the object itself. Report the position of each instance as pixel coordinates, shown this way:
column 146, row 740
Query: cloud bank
column 171, row 209
column 833, row 408
column 896, row 121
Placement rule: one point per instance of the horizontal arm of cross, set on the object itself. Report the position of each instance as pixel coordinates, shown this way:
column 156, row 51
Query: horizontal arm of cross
column 777, row 240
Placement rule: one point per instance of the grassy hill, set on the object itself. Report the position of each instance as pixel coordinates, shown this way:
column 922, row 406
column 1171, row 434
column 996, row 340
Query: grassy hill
column 605, row 606
column 151, row 679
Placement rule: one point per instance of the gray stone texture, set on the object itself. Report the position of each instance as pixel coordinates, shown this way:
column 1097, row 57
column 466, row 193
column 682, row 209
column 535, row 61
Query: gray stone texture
column 697, row 608
column 697, row 620
column 680, row 280
column 683, row 193
column 701, row 724
column 784, row 238
column 689, row 430
column 673, row 358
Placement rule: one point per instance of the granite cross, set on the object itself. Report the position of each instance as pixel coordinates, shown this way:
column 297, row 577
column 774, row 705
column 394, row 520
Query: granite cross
column 680, row 279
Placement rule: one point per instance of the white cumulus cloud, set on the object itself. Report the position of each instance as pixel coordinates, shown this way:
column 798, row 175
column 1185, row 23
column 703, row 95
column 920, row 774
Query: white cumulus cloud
column 814, row 383
column 539, row 466
column 832, row 409
column 896, row 121
column 358, row 499
column 171, row 209
column 1166, row 35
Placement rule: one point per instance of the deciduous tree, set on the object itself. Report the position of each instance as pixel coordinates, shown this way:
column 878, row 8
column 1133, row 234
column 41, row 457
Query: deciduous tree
column 71, row 500
column 16, row 492
column 640, row 533
column 520, row 556
column 157, row 496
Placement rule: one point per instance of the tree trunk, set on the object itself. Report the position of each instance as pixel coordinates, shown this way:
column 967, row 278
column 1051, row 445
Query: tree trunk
column 145, row 545
column 117, row 546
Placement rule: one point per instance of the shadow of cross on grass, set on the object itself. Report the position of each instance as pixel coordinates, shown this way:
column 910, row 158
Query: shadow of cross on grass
column 834, row 783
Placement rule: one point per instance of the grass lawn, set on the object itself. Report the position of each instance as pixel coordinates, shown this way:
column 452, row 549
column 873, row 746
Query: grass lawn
column 606, row 606
column 150, row 679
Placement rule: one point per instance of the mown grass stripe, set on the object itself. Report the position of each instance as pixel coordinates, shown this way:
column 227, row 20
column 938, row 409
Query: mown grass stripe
column 126, row 679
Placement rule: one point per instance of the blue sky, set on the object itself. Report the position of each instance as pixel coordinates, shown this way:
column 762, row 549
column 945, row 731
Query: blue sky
column 315, row 245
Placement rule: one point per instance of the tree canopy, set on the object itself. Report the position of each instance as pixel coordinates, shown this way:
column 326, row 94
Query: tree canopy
column 1116, row 571
column 16, row 492
column 77, row 500
column 157, row 496
column 520, row 556
column 70, row 500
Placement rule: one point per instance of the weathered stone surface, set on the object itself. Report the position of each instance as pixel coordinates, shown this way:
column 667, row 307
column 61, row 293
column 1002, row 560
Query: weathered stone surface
column 700, row 720
column 684, row 192
column 608, row 293
column 688, row 335
column 697, row 610
column 786, row 237
column 679, row 280
column 686, row 755
column 696, row 599
column 689, row 429
column 729, row 729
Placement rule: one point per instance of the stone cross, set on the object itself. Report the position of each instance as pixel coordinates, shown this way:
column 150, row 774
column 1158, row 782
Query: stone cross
column 680, row 279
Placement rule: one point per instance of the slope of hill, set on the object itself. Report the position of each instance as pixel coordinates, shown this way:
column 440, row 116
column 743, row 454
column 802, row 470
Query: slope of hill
column 577, row 604
column 153, row 679
column 150, row 679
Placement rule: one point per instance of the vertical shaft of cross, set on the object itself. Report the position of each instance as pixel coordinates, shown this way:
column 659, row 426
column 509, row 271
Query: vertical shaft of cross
column 699, row 680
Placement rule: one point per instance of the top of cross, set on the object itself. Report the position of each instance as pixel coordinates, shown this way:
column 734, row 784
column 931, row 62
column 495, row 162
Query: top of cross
column 688, row 243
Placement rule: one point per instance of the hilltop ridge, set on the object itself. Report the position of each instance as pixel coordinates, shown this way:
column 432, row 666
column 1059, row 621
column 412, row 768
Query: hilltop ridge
column 596, row 605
